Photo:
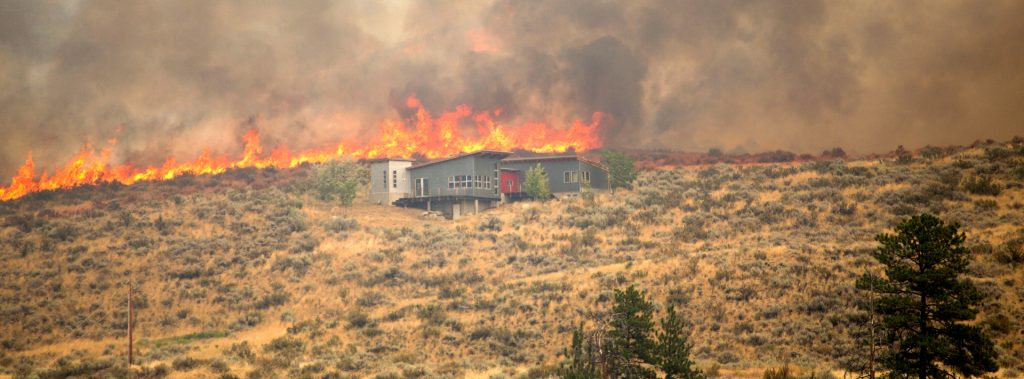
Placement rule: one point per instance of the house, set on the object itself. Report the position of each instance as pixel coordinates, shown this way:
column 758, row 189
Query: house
column 471, row 182
column 458, row 185
column 389, row 180
column 567, row 174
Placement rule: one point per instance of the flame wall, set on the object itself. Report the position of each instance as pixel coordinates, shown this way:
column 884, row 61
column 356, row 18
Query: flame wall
column 421, row 135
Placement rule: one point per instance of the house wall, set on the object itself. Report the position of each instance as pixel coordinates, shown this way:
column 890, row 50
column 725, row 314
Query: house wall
column 389, row 181
column 437, row 176
column 556, row 169
column 598, row 176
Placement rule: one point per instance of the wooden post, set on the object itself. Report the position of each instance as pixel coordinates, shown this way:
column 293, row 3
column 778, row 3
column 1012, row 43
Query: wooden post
column 131, row 314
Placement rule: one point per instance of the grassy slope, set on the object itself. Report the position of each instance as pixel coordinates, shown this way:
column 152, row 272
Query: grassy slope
column 247, row 273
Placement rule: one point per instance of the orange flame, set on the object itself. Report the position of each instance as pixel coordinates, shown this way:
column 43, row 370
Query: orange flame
column 432, row 137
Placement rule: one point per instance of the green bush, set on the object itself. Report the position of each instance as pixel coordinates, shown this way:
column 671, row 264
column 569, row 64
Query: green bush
column 341, row 224
column 338, row 180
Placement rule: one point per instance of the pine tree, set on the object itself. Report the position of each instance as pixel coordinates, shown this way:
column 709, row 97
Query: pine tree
column 630, row 335
column 673, row 349
column 632, row 347
column 582, row 358
column 923, row 301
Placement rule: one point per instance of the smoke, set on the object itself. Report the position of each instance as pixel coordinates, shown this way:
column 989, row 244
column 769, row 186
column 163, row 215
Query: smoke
column 177, row 77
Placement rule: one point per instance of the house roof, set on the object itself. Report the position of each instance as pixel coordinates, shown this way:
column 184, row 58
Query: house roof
column 385, row 159
column 481, row 153
column 554, row 158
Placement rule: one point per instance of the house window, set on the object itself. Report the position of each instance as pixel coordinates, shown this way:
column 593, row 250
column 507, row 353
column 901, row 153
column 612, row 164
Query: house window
column 385, row 177
column 394, row 179
column 585, row 176
column 421, row 187
column 570, row 177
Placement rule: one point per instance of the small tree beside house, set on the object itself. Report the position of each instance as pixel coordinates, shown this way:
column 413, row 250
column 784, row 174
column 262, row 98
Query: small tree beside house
column 536, row 184
column 338, row 181
column 621, row 170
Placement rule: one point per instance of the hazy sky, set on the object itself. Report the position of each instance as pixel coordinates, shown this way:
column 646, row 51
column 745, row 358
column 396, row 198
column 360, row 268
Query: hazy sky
column 174, row 77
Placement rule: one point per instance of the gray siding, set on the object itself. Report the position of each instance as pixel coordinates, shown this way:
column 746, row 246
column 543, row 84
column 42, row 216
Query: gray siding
column 598, row 176
column 556, row 169
column 389, row 181
column 437, row 176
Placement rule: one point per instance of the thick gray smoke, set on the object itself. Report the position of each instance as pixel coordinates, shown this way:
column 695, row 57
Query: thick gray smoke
column 174, row 77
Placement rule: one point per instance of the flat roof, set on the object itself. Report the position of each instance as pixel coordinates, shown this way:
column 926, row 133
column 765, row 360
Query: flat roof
column 482, row 153
column 554, row 158
column 376, row 160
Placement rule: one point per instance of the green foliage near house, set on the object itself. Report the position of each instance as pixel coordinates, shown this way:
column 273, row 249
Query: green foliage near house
column 633, row 346
column 536, row 184
column 621, row 170
column 338, row 180
column 924, row 301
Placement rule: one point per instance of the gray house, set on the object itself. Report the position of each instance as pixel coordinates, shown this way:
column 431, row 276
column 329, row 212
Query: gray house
column 468, row 183
column 389, row 180
column 567, row 174
column 458, row 185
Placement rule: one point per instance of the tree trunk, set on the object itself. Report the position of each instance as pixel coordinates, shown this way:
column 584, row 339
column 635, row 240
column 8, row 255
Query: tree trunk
column 922, row 364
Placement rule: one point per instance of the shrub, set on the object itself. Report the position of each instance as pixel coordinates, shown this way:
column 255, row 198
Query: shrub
column 247, row 321
column 285, row 347
column 185, row 363
column 357, row 319
column 986, row 205
column 1011, row 252
column 242, row 351
column 341, row 224
column 304, row 244
column 274, row 299
column 779, row 373
column 64, row 232
column 432, row 314
column 982, row 185
column 845, row 209
column 491, row 223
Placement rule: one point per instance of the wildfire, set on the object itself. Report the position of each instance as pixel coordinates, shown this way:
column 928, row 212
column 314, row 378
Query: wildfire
column 430, row 136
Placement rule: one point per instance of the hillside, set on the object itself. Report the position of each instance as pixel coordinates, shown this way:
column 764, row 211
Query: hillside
column 248, row 274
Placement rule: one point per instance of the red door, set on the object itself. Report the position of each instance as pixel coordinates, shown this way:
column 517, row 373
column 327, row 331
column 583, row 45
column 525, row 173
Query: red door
column 510, row 182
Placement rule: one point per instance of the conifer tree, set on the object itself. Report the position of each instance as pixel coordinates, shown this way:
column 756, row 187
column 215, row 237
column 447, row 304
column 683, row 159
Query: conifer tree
column 923, row 301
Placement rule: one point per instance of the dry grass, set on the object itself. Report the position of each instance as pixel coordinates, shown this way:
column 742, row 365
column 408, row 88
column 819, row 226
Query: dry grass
column 248, row 274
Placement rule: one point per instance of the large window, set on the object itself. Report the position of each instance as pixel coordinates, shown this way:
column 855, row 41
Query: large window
column 585, row 176
column 469, row 181
column 570, row 177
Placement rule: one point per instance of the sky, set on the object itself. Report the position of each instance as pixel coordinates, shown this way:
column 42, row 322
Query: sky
column 176, row 77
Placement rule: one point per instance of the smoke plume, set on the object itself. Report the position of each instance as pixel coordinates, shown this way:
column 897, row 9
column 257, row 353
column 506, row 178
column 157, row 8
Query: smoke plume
column 176, row 77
